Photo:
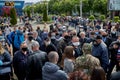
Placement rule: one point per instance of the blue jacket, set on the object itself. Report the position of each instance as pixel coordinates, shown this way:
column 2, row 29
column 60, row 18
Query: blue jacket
column 101, row 53
column 10, row 37
column 18, row 39
column 51, row 71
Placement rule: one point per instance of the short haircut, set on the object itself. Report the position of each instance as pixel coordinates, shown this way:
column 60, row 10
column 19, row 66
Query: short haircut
column 35, row 32
column 23, row 43
column 52, row 55
column 82, row 33
column 35, row 43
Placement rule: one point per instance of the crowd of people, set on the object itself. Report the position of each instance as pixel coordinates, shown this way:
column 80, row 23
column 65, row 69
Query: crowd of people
column 81, row 50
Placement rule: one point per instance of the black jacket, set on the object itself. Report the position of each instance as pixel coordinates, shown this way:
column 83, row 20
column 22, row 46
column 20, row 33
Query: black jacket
column 113, row 52
column 50, row 47
column 20, row 63
column 35, row 63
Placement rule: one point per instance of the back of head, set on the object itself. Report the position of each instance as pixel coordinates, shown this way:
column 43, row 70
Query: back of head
column 35, row 43
column 53, row 57
column 68, row 52
column 87, row 48
column 98, row 74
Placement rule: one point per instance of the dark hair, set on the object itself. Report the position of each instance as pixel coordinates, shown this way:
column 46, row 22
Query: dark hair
column 98, row 74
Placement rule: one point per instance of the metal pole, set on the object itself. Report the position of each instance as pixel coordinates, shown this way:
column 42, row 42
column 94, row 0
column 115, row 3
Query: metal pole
column 81, row 8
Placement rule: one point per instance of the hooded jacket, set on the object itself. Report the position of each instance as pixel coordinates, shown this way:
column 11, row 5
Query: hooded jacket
column 51, row 71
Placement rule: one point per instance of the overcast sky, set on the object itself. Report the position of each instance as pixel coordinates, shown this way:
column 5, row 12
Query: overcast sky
column 32, row 0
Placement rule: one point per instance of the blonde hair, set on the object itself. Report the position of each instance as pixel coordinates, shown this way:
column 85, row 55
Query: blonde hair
column 1, row 49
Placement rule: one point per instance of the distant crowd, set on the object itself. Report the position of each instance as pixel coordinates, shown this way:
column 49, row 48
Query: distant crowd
column 71, row 48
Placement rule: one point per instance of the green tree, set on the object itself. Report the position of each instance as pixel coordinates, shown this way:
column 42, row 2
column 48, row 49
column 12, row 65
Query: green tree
column 100, row 6
column 45, row 15
column 13, row 16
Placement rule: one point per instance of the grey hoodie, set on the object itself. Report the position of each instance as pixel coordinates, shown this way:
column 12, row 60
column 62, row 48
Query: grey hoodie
column 51, row 71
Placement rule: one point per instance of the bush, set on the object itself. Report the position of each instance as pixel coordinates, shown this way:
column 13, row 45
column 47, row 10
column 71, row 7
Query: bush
column 116, row 18
column 118, row 21
column 13, row 16
column 102, row 17
column 63, row 15
column 92, row 17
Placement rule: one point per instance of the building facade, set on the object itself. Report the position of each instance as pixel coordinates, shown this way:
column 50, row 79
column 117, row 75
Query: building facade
column 6, row 5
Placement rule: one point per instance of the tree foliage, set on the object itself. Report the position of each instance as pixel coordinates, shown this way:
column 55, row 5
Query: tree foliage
column 68, row 6
column 116, row 18
column 91, row 17
column 13, row 16
column 45, row 15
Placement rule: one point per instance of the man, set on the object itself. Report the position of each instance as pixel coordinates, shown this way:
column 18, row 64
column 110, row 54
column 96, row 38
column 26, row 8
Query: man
column 100, row 51
column 20, row 62
column 19, row 38
column 77, row 46
column 65, row 41
column 30, row 41
column 50, row 70
column 35, row 62
column 83, row 39
column 48, row 46
column 114, row 52
column 37, row 38
column 107, row 40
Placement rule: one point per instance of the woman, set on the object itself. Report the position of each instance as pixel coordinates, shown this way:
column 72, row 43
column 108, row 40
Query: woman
column 5, row 64
column 68, row 58
column 98, row 73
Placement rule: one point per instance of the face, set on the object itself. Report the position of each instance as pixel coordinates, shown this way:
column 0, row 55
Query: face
column 24, row 47
column 82, row 35
column 35, row 35
column 75, row 41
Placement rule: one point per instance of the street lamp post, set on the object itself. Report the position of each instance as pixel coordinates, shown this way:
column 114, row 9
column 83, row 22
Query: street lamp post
column 81, row 8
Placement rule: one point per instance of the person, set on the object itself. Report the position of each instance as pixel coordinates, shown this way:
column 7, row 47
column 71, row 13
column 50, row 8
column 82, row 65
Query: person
column 50, row 70
column 35, row 62
column 39, row 31
column 83, row 38
column 98, row 73
column 44, row 34
column 69, row 59
column 113, row 48
column 99, row 50
column 18, row 39
column 106, row 39
column 87, row 61
column 77, row 46
column 48, row 46
column 5, row 64
column 37, row 38
column 20, row 61
column 11, row 37
column 30, row 40
column 65, row 41
column 84, row 65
